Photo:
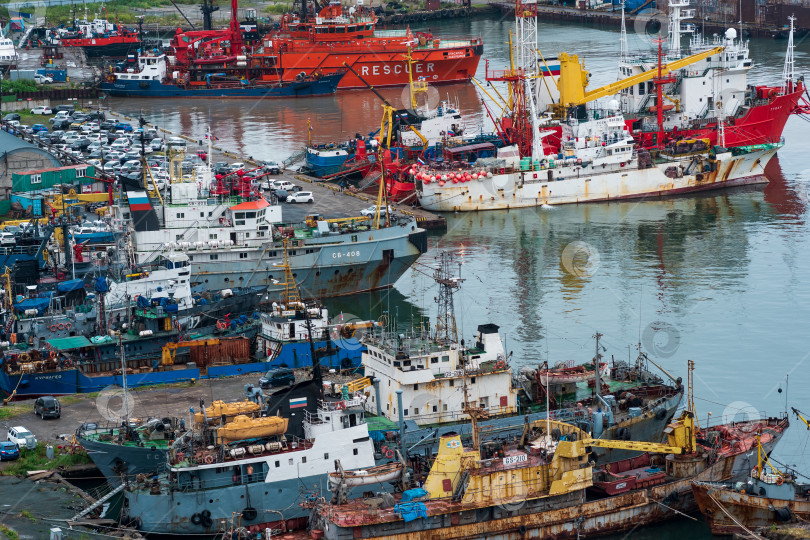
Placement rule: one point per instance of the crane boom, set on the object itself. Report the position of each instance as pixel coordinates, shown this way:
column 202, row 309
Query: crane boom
column 638, row 446
column 801, row 417
column 170, row 349
column 573, row 78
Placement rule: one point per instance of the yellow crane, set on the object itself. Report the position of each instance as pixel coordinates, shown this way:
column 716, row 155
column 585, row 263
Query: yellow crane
column 170, row 349
column 574, row 79
column 801, row 417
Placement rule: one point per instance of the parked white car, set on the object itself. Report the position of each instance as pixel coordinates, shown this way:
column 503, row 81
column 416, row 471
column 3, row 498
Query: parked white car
column 22, row 437
column 301, row 197
column 284, row 184
column 370, row 211
column 42, row 109
column 7, row 239
column 42, row 79
column 61, row 115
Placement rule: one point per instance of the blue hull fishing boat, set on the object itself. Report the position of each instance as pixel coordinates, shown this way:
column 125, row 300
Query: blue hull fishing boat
column 151, row 81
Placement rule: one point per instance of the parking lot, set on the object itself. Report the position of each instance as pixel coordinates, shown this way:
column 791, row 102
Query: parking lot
column 114, row 143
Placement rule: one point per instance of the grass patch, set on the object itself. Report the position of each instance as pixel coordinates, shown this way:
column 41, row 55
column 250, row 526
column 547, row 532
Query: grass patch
column 76, row 398
column 32, row 460
column 9, row 533
column 27, row 514
column 277, row 9
column 14, row 409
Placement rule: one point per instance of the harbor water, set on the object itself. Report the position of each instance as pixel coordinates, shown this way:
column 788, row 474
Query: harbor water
column 719, row 278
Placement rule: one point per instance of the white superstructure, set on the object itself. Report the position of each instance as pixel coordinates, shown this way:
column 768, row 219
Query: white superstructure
column 432, row 374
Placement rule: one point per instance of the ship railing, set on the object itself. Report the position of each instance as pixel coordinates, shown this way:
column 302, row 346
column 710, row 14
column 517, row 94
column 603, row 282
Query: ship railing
column 453, row 416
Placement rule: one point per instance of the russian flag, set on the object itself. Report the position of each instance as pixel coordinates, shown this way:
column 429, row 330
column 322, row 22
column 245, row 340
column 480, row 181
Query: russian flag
column 421, row 161
column 138, row 201
column 297, row 403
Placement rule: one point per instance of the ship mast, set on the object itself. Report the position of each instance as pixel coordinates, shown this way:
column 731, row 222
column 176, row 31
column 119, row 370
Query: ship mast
column 622, row 44
column 788, row 70
column 446, row 331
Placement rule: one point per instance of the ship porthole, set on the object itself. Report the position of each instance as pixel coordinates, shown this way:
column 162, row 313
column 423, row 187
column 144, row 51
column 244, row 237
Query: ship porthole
column 522, row 529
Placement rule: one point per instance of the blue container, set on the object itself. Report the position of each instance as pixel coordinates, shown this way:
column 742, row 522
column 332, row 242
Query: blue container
column 58, row 75
column 34, row 201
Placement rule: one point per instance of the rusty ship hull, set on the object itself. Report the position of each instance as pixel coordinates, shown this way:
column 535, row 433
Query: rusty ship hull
column 580, row 184
column 569, row 515
column 718, row 502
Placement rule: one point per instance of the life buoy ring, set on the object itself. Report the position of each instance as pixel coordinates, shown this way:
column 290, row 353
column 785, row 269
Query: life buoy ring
column 52, row 328
column 389, row 453
column 68, row 326
column 222, row 221
column 780, row 481
column 60, row 276
column 579, row 161
column 61, row 326
column 68, row 362
column 221, row 325
column 500, row 364
column 340, row 405
column 52, row 354
column 25, row 357
column 209, row 459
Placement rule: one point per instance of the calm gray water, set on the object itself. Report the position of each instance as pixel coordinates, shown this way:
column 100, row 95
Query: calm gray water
column 720, row 279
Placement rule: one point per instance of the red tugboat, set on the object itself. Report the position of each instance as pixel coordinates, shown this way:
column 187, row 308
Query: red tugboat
column 322, row 44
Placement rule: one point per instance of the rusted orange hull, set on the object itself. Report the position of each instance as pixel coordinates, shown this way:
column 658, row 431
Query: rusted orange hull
column 749, row 510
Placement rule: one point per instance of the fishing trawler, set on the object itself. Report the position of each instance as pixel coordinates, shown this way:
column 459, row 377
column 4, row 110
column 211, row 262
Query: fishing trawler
column 416, row 376
column 237, row 241
column 142, row 447
column 62, row 348
column 293, row 331
column 769, row 496
column 547, row 487
column 710, row 98
column 259, row 477
column 562, row 152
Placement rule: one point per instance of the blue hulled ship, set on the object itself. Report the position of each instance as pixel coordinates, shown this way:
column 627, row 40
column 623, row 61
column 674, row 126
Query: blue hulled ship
column 151, row 80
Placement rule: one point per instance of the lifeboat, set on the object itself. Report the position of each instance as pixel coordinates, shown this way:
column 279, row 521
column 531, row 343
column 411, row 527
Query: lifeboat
column 364, row 477
column 244, row 427
column 219, row 408
column 665, row 108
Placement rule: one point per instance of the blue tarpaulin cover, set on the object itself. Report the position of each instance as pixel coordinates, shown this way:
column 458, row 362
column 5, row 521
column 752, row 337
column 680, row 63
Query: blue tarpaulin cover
column 101, row 284
column 70, row 285
column 412, row 494
column 40, row 304
column 411, row 511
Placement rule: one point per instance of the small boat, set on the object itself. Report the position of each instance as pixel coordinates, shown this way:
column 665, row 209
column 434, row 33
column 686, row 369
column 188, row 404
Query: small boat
column 243, row 428
column 364, row 477
column 568, row 374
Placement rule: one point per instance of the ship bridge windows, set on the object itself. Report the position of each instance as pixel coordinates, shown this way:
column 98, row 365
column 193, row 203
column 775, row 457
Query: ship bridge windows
column 341, row 29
